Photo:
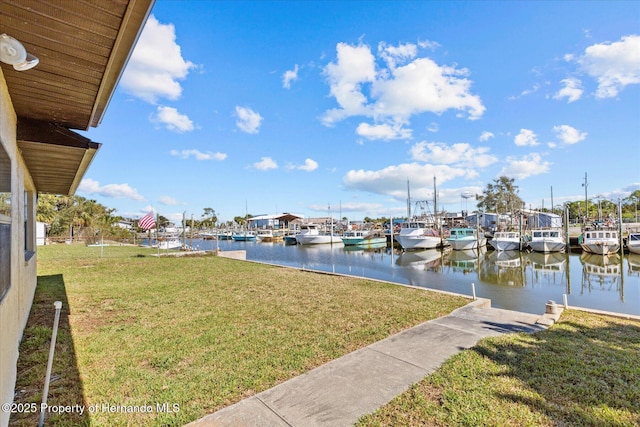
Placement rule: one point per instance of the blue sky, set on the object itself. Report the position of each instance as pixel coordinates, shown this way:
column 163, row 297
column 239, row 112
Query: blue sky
column 331, row 107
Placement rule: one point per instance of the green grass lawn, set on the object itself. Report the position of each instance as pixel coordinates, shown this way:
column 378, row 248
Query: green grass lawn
column 192, row 334
column 584, row 371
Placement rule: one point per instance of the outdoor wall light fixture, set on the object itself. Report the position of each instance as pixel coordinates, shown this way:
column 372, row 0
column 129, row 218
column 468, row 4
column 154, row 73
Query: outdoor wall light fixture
column 13, row 53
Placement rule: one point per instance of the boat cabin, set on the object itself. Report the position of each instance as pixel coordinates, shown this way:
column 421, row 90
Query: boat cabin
column 545, row 234
column 600, row 234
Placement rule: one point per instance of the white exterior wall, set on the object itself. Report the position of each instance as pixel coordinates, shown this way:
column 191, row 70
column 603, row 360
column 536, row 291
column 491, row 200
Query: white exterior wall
column 16, row 304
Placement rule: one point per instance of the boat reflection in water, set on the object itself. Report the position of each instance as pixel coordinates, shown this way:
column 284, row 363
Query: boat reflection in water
column 465, row 261
column 503, row 268
column 601, row 270
column 549, row 269
column 634, row 264
column 421, row 260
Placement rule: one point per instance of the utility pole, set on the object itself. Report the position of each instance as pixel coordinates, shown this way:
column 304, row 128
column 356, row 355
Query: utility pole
column 586, row 201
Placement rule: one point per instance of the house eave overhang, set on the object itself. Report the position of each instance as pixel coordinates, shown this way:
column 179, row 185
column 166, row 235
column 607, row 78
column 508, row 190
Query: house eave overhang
column 56, row 157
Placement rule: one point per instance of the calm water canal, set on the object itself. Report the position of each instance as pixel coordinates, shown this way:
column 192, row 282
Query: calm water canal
column 512, row 280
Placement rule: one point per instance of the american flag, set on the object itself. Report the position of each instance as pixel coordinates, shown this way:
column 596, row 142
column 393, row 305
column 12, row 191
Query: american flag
column 147, row 222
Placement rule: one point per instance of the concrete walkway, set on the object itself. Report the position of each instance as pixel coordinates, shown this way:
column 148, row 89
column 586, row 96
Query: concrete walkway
column 341, row 391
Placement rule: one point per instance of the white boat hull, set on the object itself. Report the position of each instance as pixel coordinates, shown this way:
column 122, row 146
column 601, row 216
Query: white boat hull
column 467, row 244
column 169, row 244
column 601, row 248
column 547, row 245
column 411, row 242
column 318, row 240
column 633, row 243
column 505, row 245
column 362, row 241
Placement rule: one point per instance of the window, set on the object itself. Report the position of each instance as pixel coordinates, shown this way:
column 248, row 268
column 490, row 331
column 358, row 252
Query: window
column 5, row 222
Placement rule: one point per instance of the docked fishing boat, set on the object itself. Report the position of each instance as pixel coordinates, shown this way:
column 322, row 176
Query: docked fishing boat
column 633, row 243
column 269, row 236
column 465, row 238
column 417, row 235
column 547, row 241
column 506, row 241
column 600, row 242
column 244, row 236
column 310, row 234
column 364, row 238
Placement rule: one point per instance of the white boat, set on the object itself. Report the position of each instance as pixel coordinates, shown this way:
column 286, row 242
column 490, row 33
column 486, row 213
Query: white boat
column 633, row 243
column 506, row 241
column 547, row 240
column 310, row 234
column 416, row 234
column 465, row 238
column 363, row 238
column 169, row 243
column 600, row 242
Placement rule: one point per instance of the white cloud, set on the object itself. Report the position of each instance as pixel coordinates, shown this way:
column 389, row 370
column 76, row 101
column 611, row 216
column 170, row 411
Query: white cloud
column 173, row 120
column 525, row 166
column 289, row 76
column 461, row 154
column 392, row 180
column 485, row 136
column 393, row 55
column 265, row 163
column 407, row 86
column 248, row 120
column 308, row 166
column 116, row 191
column 354, row 66
column 198, row 155
column 426, row 44
column 156, row 64
column 383, row 131
column 568, row 134
column 614, row 65
column 168, row 201
column 572, row 90
column 525, row 138
column 424, row 86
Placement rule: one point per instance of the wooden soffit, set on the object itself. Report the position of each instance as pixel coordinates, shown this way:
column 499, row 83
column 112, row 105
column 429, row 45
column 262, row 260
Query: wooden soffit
column 56, row 157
